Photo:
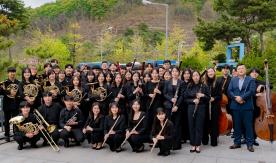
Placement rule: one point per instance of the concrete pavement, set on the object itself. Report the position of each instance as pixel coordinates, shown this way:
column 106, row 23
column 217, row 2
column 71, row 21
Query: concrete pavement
column 265, row 153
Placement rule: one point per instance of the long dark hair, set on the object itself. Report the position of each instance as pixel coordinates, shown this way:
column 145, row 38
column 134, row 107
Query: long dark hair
column 156, row 121
column 184, row 71
column 131, row 114
column 114, row 104
column 23, row 71
column 91, row 114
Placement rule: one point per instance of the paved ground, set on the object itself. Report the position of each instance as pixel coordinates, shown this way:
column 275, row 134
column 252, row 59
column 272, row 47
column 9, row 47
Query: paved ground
column 265, row 153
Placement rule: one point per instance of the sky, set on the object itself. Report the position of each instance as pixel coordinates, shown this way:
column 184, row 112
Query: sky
column 36, row 3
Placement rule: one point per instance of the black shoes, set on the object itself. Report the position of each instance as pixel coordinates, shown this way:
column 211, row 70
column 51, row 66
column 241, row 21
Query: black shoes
column 33, row 145
column 66, row 144
column 20, row 147
column 141, row 149
column 192, row 150
column 166, row 153
column 119, row 149
column 7, row 138
column 235, row 146
column 250, row 148
column 256, row 143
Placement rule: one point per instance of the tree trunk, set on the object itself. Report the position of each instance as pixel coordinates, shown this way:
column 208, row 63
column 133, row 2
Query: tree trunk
column 261, row 42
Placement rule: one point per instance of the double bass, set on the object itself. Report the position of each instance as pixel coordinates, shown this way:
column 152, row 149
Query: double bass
column 265, row 124
column 225, row 119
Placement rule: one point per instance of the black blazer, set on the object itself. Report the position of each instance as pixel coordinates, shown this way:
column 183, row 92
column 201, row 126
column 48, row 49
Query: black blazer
column 169, row 93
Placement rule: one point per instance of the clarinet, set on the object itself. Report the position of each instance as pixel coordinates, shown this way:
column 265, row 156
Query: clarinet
column 157, row 85
column 196, row 105
column 176, row 94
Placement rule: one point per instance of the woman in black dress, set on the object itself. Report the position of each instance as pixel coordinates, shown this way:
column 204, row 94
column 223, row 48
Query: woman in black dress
column 94, row 127
column 197, row 96
column 162, row 139
column 114, row 133
column 211, row 121
column 138, row 136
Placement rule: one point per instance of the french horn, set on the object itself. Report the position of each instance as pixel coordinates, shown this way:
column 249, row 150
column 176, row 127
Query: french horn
column 100, row 93
column 75, row 93
column 31, row 90
column 12, row 90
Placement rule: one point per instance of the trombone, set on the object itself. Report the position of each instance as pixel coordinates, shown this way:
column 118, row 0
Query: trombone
column 45, row 132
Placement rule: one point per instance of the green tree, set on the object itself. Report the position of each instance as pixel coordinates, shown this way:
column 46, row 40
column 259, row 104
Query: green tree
column 13, row 17
column 46, row 46
column 238, row 18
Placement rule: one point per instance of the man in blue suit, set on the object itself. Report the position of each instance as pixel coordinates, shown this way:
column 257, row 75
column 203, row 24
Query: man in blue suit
column 241, row 91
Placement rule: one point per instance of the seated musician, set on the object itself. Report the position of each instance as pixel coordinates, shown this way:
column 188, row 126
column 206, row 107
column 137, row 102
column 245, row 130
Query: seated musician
column 162, row 132
column 23, row 134
column 137, row 132
column 94, row 127
column 50, row 112
column 71, row 122
column 114, row 128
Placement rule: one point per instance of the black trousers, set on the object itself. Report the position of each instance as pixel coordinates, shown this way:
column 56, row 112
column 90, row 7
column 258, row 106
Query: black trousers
column 74, row 133
column 115, row 140
column 94, row 137
column 184, row 123
column 8, row 114
column 211, row 126
column 21, row 139
column 136, row 141
column 55, row 135
column 196, row 124
column 176, row 119
column 164, row 145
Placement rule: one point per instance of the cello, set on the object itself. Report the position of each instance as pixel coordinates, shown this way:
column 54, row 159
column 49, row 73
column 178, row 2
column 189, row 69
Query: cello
column 225, row 119
column 265, row 124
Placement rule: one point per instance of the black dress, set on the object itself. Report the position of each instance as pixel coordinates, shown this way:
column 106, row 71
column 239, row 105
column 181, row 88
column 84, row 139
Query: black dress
column 136, row 140
column 115, row 140
column 97, row 135
column 164, row 145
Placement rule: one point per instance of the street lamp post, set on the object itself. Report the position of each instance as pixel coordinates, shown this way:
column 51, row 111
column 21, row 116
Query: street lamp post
column 101, row 42
column 146, row 2
column 180, row 45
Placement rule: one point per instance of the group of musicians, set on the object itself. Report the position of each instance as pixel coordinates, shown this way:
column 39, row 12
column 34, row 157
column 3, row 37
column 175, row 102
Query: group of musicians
column 163, row 106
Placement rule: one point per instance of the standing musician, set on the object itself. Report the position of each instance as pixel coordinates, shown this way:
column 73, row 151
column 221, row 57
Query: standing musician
column 114, row 128
column 118, row 93
column 225, row 80
column 167, row 65
column 134, row 89
column 154, row 97
column 172, row 92
column 197, row 96
column 162, row 132
column 109, row 78
column 33, row 100
column 105, row 101
column 69, row 68
column 61, row 78
column 186, row 78
column 23, row 134
column 47, row 67
column 50, row 112
column 71, row 122
column 136, row 131
column 53, row 86
column 254, row 73
column 11, row 99
column 94, row 127
column 212, row 113
column 241, row 91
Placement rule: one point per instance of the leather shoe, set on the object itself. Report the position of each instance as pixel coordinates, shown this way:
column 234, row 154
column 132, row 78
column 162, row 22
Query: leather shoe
column 7, row 138
column 20, row 147
column 256, row 143
column 250, row 148
column 235, row 146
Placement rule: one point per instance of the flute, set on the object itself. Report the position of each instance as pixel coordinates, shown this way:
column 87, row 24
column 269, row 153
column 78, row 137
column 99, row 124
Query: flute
column 110, row 130
column 134, row 128
column 160, row 132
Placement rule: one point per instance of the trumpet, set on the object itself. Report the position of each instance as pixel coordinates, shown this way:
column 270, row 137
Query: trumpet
column 45, row 132
column 72, row 119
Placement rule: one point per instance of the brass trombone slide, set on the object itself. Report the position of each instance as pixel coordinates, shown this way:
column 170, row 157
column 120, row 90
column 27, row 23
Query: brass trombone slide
column 45, row 132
